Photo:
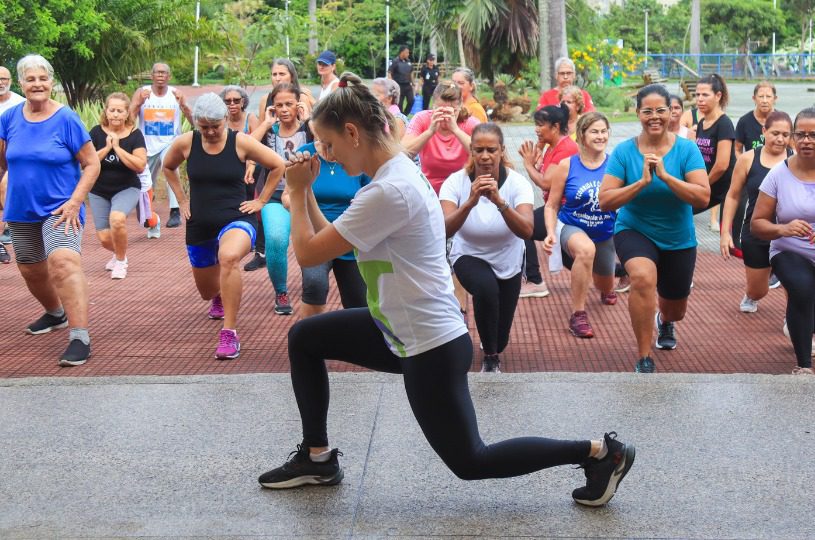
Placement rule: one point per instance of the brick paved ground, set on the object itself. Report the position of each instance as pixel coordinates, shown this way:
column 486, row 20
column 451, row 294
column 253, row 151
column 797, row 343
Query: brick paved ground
column 153, row 322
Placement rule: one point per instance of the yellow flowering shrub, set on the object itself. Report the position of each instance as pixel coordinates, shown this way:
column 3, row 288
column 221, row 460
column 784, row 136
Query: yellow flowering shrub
column 591, row 61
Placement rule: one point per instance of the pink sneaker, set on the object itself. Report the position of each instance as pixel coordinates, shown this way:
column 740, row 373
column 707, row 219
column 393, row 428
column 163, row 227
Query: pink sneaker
column 533, row 290
column 608, row 299
column 229, row 346
column 216, row 310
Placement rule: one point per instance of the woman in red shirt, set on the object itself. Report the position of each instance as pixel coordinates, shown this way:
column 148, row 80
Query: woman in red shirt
column 552, row 129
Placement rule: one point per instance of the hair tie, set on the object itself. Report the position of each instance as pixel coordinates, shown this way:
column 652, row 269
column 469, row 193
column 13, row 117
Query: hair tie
column 342, row 84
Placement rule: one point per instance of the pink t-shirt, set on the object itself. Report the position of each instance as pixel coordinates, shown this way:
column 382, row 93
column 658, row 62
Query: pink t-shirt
column 442, row 155
column 550, row 98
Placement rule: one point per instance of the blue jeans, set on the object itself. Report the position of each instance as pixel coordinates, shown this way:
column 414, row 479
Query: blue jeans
column 276, row 229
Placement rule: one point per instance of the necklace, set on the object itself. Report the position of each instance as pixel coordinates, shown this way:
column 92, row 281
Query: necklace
column 331, row 165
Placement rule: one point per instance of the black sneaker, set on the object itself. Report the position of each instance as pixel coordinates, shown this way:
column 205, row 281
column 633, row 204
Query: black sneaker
column 5, row 258
column 299, row 470
column 604, row 475
column 666, row 338
column 257, row 262
column 645, row 365
column 46, row 323
column 76, row 354
column 175, row 218
column 281, row 304
column 5, row 238
column 491, row 364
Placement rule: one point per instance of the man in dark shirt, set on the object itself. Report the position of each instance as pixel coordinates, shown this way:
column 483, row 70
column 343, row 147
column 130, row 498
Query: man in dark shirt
column 401, row 71
column 430, row 79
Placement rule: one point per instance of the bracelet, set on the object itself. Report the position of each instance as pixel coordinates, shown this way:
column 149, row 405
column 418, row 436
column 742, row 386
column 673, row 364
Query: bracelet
column 503, row 208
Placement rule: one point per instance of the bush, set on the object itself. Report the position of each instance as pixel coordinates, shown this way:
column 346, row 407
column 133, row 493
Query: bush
column 610, row 98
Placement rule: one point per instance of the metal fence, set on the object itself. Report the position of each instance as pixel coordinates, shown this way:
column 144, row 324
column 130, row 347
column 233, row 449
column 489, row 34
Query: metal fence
column 732, row 66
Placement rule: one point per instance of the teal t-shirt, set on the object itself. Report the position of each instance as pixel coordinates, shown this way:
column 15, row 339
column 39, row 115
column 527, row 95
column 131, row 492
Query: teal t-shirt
column 656, row 211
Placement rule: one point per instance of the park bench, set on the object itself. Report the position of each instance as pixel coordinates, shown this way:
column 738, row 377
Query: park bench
column 688, row 87
column 652, row 76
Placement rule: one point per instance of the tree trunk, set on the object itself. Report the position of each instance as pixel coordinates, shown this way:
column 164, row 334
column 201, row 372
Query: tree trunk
column 460, row 39
column 543, row 45
column 557, row 32
column 695, row 26
column 312, row 32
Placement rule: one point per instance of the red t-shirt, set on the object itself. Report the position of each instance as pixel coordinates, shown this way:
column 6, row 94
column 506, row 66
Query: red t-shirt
column 442, row 155
column 550, row 98
column 564, row 148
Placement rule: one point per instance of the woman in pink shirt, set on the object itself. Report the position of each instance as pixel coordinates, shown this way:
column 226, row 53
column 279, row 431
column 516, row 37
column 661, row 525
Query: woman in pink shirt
column 552, row 129
column 441, row 136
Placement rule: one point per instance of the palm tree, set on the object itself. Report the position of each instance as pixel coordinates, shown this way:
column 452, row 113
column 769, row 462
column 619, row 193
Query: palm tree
column 312, row 35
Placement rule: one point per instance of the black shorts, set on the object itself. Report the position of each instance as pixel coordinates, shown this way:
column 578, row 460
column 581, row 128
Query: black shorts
column 674, row 267
column 755, row 252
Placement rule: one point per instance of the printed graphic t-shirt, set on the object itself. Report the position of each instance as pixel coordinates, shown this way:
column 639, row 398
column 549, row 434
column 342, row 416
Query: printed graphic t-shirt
column 707, row 140
column 160, row 120
column 396, row 226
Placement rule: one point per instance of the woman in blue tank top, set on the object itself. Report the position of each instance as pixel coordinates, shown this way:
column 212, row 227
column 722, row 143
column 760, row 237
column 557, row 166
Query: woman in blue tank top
column 584, row 232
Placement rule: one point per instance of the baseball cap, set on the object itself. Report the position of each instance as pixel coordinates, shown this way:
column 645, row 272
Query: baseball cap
column 328, row 58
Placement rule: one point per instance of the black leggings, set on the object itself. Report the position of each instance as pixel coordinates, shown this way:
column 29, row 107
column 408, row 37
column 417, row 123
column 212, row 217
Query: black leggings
column 436, row 386
column 494, row 301
column 797, row 275
column 406, row 96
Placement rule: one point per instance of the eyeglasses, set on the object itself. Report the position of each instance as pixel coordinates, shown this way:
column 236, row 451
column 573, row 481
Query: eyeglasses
column 565, row 73
column 233, row 101
column 654, row 112
column 804, row 135
column 4, row 79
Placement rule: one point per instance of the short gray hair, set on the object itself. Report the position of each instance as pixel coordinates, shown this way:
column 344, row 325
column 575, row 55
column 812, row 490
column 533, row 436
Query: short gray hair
column 209, row 106
column 235, row 88
column 565, row 60
column 33, row 61
column 391, row 88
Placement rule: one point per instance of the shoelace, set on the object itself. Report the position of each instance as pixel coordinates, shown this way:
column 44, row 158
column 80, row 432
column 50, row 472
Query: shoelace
column 581, row 321
column 226, row 338
column 217, row 303
column 667, row 329
column 283, row 299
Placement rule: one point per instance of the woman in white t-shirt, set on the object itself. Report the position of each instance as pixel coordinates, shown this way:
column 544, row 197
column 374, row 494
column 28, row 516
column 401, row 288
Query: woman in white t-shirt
column 488, row 211
column 396, row 226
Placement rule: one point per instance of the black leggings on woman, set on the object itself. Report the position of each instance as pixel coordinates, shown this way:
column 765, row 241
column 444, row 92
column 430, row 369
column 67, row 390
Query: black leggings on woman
column 494, row 300
column 437, row 389
column 797, row 275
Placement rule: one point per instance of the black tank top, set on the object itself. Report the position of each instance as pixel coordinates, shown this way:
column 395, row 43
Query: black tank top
column 217, row 189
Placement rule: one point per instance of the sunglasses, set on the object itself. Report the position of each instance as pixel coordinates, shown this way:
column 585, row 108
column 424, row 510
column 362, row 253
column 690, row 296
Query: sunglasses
column 233, row 101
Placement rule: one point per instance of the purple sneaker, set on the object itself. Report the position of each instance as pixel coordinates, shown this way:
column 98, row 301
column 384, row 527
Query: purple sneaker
column 229, row 346
column 216, row 310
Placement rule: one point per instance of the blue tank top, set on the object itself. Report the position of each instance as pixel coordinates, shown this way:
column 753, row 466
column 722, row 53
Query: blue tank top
column 582, row 207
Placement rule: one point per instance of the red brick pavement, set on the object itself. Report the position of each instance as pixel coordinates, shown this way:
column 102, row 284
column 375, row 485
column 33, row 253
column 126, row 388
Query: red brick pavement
column 153, row 323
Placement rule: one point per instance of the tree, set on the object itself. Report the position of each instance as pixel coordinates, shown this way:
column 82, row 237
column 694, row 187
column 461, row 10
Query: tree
column 740, row 21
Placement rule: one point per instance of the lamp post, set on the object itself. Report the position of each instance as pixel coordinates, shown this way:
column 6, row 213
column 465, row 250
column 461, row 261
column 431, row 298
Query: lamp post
column 288, row 55
column 774, row 1
column 195, row 61
column 387, row 34
column 646, row 38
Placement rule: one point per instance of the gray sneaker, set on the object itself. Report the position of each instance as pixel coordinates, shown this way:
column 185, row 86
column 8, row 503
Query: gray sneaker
column 155, row 232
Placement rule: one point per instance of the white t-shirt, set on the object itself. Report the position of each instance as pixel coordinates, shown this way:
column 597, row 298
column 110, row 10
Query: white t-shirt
column 485, row 234
column 328, row 89
column 396, row 226
column 160, row 120
column 13, row 100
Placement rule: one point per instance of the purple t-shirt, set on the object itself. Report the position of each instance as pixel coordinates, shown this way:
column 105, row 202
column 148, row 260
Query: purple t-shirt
column 42, row 167
column 796, row 200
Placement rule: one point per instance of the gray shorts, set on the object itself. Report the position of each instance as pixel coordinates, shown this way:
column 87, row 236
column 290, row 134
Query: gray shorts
column 125, row 202
column 605, row 258
column 34, row 242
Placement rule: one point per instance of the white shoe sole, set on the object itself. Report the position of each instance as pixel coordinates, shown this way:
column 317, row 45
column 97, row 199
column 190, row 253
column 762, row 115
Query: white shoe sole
column 49, row 329
column 542, row 294
column 306, row 481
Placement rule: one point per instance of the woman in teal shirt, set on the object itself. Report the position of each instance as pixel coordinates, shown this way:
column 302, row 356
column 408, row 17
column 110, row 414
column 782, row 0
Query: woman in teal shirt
column 654, row 181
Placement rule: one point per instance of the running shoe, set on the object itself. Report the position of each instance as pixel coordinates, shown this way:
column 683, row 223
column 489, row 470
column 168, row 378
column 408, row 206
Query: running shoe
column 46, row 323
column 76, row 354
column 786, row 329
column 229, row 346
column 281, row 304
column 645, row 365
column 5, row 258
column 748, row 305
column 798, row 370
column 155, row 232
column 5, row 238
column 175, row 218
column 579, row 325
column 119, row 270
column 216, row 309
column 491, row 364
column 534, row 290
column 666, row 334
column 111, row 263
column 774, row 281
column 604, row 475
column 623, row 284
column 608, row 299
column 299, row 470
column 257, row 262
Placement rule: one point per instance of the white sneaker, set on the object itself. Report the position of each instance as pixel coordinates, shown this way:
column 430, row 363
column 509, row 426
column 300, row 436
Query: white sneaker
column 119, row 270
column 155, row 232
column 748, row 305
column 786, row 329
column 533, row 290
column 110, row 263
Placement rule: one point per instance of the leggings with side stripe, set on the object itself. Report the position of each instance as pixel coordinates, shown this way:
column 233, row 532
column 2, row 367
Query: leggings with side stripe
column 437, row 389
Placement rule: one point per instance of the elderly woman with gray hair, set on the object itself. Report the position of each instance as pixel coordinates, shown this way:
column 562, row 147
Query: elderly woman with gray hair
column 52, row 166
column 387, row 92
column 221, row 225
